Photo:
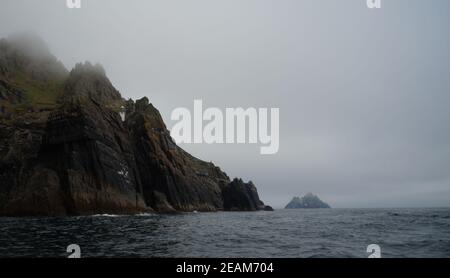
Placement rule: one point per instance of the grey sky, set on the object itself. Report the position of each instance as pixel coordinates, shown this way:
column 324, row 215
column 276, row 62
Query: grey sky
column 363, row 94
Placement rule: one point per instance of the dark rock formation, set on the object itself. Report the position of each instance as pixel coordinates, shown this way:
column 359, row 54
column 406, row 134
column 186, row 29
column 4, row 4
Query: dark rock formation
column 76, row 156
column 307, row 201
column 239, row 195
column 9, row 94
column 90, row 81
column 172, row 179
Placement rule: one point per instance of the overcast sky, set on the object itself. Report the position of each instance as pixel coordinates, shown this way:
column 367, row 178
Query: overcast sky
column 364, row 95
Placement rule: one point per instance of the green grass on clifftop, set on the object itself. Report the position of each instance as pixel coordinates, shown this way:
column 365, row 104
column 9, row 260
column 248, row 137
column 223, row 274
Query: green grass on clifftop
column 37, row 94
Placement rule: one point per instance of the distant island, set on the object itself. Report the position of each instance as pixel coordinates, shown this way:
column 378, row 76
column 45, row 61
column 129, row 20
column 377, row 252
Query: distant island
column 308, row 201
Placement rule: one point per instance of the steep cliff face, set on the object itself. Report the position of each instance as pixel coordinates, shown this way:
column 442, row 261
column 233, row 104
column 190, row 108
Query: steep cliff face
column 28, row 81
column 239, row 195
column 172, row 179
column 83, row 161
column 20, row 140
column 87, row 81
column 77, row 156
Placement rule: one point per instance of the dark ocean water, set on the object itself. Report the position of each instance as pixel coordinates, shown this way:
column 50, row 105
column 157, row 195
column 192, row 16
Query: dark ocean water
column 283, row 233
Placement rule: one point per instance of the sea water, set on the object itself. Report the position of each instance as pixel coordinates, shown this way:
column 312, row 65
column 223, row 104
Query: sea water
column 283, row 233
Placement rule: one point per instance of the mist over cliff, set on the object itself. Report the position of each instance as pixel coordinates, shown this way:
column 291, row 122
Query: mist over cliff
column 65, row 150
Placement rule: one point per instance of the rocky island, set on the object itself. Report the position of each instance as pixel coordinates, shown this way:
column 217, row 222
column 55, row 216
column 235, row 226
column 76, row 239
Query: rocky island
column 70, row 144
column 308, row 201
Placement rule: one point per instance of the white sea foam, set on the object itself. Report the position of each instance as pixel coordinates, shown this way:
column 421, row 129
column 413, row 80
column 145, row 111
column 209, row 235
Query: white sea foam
column 145, row 214
column 106, row 215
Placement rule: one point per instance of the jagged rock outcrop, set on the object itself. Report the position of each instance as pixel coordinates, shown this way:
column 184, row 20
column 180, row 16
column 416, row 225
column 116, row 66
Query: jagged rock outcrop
column 76, row 156
column 172, row 179
column 90, row 81
column 308, row 201
column 239, row 195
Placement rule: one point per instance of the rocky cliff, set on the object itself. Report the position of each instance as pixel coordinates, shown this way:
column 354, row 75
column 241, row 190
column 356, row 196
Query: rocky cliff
column 65, row 150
